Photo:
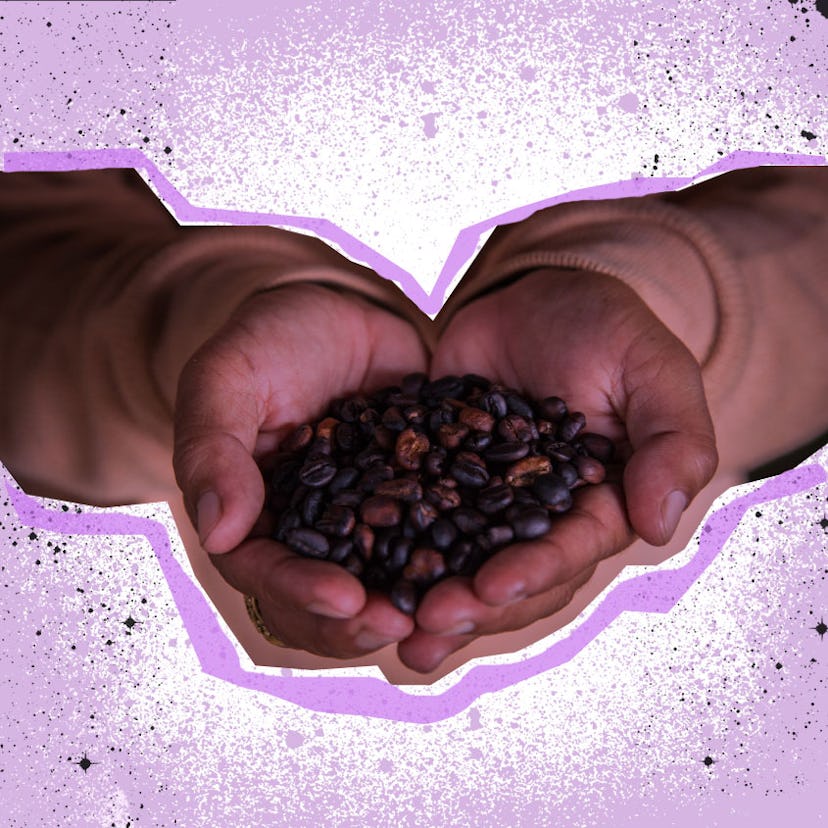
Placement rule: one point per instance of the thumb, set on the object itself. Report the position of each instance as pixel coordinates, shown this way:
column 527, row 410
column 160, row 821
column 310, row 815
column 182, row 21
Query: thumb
column 216, row 424
column 673, row 442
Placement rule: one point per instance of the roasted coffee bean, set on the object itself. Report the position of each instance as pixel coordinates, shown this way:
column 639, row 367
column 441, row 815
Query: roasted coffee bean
column 515, row 429
column 477, row 442
column 425, row 566
column 468, row 520
column 308, row 542
column 531, row 522
column 381, row 510
column 443, row 533
column 340, row 550
column 364, row 541
column 394, row 419
column 402, row 488
column 312, row 506
column 410, row 448
column 590, row 470
column 469, row 469
column 428, row 478
column 318, row 471
column 552, row 408
column 517, row 405
column 450, row 435
column 373, row 476
column 442, row 497
column 348, row 497
column 524, row 471
column 495, row 499
column 494, row 403
column 556, row 450
column 297, row 439
column 404, row 596
column 567, row 472
column 476, row 419
column 506, row 452
column 571, row 425
column 552, row 492
column 338, row 521
column 422, row 514
column 597, row 446
column 343, row 479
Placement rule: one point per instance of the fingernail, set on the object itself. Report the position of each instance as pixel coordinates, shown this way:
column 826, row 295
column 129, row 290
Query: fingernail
column 367, row 640
column 672, row 508
column 462, row 627
column 208, row 512
column 323, row 608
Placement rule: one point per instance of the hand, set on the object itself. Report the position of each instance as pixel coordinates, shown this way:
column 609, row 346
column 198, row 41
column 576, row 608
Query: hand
column 277, row 363
column 591, row 340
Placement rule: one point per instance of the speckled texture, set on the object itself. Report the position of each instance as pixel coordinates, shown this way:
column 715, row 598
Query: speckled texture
column 448, row 115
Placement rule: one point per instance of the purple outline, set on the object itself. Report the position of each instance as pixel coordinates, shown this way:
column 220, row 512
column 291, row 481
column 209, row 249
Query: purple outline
column 657, row 591
column 462, row 249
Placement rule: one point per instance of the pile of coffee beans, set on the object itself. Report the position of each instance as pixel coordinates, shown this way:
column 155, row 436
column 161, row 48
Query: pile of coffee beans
column 428, row 479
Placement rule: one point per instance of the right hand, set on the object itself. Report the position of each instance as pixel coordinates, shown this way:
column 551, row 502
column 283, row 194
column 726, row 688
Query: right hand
column 276, row 364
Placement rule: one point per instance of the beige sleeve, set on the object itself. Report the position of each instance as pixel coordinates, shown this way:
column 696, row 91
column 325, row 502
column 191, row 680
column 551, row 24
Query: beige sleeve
column 736, row 267
column 103, row 298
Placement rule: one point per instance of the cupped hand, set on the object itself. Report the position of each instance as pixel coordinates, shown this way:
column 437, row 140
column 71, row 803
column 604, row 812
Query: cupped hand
column 279, row 360
column 590, row 340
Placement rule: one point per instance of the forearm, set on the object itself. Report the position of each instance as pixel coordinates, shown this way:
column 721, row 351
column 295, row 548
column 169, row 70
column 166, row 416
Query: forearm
column 734, row 268
column 103, row 299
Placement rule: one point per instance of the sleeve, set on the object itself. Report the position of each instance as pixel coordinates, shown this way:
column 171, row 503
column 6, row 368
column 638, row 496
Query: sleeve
column 735, row 267
column 103, row 298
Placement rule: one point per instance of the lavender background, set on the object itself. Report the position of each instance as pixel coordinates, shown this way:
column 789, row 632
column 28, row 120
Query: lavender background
column 400, row 133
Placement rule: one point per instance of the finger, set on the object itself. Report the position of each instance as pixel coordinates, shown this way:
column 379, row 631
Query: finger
column 595, row 528
column 672, row 438
column 216, row 423
column 279, row 577
column 425, row 650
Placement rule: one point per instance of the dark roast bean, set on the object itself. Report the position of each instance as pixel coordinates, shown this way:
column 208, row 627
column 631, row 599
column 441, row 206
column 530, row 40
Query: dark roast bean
column 475, row 381
column 494, row 403
column 597, row 446
column 404, row 596
column 348, row 437
column 459, row 556
column 425, row 566
column 415, row 414
column 382, row 542
column 350, row 409
column 476, row 419
column 435, row 461
column 449, row 386
column 289, row 520
column 340, row 550
column 348, row 497
column 552, row 491
column 337, row 520
column 373, row 476
column 399, row 553
column 567, row 472
column 422, row 514
column 556, row 450
column 442, row 497
column 469, row 470
column 552, row 408
column 524, row 471
column 371, row 454
column 514, row 429
column 297, row 439
column 532, row 522
column 506, row 452
column 412, row 384
column 318, row 471
column 364, row 541
column 494, row 499
column 468, row 520
column 517, row 405
column 308, row 542
column 312, row 506
column 450, row 435
column 477, row 442
column 443, row 533
column 393, row 419
column 570, row 426
column 343, row 479
column 499, row 535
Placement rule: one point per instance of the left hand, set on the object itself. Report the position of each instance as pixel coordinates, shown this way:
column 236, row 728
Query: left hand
column 590, row 340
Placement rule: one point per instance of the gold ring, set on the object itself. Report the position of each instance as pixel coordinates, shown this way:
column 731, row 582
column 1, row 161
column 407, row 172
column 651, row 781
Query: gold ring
column 256, row 617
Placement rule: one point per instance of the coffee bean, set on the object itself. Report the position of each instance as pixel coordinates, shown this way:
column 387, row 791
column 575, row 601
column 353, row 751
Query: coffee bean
column 381, row 510
column 410, row 448
column 308, row 542
column 531, row 522
column 428, row 478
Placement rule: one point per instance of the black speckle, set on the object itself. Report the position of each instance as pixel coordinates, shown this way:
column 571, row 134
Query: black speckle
column 807, row 135
column 168, row 150
column 32, row 536
column 778, row 665
column 708, row 761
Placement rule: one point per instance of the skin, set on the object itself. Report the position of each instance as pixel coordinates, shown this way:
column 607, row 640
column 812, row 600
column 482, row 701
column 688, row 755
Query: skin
column 584, row 337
